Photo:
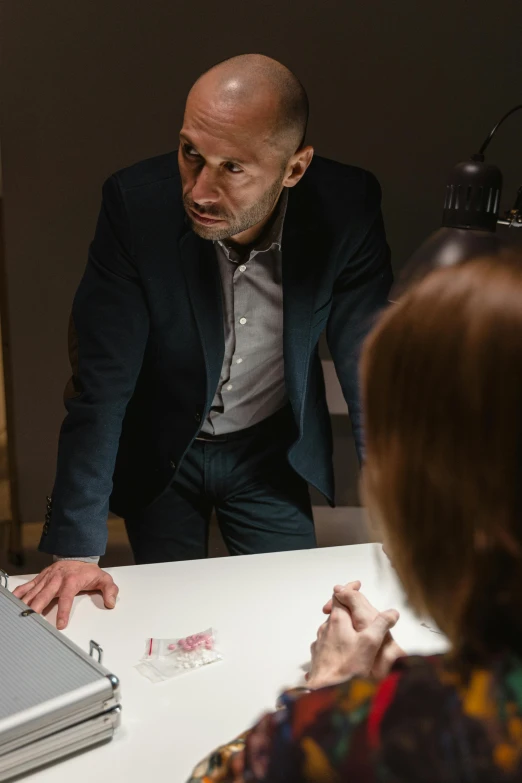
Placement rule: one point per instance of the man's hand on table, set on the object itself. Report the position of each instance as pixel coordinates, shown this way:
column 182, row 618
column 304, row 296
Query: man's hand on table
column 64, row 580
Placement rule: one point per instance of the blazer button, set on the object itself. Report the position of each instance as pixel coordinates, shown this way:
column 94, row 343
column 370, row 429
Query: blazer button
column 197, row 416
column 172, row 464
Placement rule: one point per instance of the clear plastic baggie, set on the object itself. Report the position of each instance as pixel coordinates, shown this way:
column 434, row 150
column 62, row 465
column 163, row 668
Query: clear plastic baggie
column 166, row 658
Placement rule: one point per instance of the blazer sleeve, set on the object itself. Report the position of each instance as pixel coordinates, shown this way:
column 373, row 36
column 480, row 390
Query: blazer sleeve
column 360, row 293
column 108, row 335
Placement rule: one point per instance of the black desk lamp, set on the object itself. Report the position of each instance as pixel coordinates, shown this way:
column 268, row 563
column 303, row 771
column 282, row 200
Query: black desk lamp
column 469, row 219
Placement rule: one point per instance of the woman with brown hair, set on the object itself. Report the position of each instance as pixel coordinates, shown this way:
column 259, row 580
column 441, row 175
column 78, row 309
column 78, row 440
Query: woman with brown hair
column 442, row 388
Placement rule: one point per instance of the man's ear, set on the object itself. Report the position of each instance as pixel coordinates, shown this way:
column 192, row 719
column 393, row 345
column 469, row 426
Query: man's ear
column 297, row 166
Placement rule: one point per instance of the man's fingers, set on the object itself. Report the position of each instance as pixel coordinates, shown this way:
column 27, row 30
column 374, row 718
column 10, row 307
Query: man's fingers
column 64, row 580
column 327, row 608
column 43, row 598
column 22, row 590
column 65, row 602
column 41, row 580
column 41, row 583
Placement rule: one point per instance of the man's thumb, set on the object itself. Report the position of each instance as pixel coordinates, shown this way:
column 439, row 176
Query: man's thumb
column 110, row 594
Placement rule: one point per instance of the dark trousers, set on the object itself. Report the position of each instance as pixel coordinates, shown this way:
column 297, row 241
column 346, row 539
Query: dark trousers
column 261, row 504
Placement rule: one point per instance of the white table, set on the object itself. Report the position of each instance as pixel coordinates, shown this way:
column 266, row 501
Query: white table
column 266, row 610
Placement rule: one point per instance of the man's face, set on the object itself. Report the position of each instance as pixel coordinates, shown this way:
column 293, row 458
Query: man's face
column 231, row 175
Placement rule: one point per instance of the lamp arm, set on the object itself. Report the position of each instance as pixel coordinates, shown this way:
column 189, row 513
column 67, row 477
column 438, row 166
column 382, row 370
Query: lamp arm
column 480, row 154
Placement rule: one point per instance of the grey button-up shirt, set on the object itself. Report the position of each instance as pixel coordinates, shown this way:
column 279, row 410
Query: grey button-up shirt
column 252, row 382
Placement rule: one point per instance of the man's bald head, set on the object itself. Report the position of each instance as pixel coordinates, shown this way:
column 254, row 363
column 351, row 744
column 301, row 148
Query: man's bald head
column 264, row 89
column 241, row 144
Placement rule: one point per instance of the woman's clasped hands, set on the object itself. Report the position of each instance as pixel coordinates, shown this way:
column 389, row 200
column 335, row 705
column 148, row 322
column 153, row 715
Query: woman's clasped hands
column 354, row 640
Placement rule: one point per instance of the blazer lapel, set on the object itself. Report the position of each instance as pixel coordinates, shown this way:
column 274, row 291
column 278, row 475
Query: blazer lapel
column 301, row 259
column 204, row 286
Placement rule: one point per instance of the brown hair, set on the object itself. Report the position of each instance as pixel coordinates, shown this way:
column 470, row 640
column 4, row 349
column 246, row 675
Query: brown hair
column 442, row 388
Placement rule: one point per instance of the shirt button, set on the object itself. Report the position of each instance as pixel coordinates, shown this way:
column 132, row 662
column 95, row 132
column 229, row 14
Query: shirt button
column 242, row 321
column 229, row 387
column 242, row 268
column 173, row 464
column 238, row 361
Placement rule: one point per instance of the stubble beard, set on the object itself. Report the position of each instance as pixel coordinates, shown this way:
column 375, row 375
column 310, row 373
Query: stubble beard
column 242, row 222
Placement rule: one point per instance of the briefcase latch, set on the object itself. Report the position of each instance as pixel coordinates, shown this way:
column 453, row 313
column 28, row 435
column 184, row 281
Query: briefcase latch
column 94, row 648
column 4, row 579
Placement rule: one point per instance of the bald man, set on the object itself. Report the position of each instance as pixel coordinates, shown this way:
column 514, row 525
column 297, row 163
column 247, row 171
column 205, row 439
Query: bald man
column 197, row 384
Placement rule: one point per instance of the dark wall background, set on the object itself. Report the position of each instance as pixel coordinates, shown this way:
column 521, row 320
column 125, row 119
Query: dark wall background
column 403, row 88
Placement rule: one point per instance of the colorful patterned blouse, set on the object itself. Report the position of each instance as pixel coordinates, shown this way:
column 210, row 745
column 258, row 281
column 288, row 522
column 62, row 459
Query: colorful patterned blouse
column 419, row 725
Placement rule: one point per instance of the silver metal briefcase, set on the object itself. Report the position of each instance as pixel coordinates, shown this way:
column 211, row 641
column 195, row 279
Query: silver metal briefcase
column 55, row 699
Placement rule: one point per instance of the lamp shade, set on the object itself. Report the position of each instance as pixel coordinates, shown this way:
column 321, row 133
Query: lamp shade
column 469, row 221
column 445, row 247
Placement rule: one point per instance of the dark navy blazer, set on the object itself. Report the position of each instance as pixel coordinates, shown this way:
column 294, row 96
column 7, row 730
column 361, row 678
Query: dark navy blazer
column 147, row 338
